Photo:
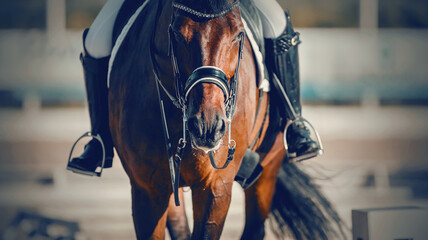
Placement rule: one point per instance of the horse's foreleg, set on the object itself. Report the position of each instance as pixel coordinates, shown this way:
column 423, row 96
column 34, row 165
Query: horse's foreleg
column 149, row 213
column 258, row 197
column 177, row 224
column 210, row 205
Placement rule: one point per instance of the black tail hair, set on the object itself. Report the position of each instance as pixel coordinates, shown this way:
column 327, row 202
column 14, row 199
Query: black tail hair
column 299, row 208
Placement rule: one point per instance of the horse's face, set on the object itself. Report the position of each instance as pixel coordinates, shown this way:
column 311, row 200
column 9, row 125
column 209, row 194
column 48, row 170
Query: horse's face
column 213, row 42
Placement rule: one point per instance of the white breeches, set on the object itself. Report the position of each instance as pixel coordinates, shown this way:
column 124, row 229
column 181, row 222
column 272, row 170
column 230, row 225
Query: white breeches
column 273, row 17
column 98, row 42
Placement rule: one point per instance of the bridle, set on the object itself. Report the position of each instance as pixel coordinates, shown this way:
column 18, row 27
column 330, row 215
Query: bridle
column 203, row 74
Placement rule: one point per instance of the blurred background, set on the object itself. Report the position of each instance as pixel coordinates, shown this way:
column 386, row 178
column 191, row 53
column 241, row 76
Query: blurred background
column 364, row 86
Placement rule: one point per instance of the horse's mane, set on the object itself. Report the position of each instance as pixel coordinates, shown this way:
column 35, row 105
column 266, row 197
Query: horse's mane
column 207, row 6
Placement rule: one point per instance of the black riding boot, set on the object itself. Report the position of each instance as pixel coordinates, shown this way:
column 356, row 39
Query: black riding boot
column 95, row 73
column 283, row 61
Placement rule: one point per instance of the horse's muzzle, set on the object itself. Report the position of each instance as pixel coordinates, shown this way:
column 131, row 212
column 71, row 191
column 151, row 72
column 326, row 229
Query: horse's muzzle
column 206, row 134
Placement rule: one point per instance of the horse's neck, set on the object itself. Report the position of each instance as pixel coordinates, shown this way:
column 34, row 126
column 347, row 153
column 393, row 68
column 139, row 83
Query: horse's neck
column 161, row 44
column 161, row 32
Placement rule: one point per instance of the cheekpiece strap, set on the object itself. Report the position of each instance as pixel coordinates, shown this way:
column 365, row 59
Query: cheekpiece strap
column 231, row 102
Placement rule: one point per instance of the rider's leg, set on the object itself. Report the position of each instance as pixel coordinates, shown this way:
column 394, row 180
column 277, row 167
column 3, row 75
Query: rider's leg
column 97, row 46
column 273, row 19
column 98, row 42
column 282, row 58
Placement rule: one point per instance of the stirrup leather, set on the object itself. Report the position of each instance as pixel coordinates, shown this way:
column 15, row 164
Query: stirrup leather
column 98, row 171
column 317, row 152
column 295, row 118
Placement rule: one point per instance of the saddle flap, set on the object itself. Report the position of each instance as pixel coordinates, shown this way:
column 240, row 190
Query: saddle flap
column 252, row 18
column 250, row 169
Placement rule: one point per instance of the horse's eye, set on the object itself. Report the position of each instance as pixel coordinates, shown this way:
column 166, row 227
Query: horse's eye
column 178, row 36
column 238, row 37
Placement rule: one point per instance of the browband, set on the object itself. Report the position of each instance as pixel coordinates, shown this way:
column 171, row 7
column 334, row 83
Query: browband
column 204, row 15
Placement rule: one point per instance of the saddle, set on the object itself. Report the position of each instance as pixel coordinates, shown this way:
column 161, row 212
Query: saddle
column 250, row 169
column 127, row 10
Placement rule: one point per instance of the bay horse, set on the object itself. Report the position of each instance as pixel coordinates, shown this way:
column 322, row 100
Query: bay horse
column 173, row 45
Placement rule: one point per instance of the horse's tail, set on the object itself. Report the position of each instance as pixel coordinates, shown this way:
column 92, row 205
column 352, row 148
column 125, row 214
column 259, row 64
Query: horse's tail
column 299, row 207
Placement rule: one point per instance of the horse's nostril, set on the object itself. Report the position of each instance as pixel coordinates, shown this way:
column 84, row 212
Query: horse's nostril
column 221, row 126
column 206, row 133
column 195, row 127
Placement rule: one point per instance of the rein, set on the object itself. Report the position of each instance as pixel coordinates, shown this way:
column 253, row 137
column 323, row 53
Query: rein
column 203, row 74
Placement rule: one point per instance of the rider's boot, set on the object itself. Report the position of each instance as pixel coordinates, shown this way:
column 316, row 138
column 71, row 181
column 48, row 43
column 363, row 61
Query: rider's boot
column 282, row 59
column 95, row 74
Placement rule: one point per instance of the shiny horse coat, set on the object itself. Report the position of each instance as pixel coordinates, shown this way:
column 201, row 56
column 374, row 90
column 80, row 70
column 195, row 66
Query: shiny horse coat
column 136, row 125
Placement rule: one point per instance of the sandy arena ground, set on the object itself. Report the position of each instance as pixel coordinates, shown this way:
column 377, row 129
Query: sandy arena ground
column 365, row 148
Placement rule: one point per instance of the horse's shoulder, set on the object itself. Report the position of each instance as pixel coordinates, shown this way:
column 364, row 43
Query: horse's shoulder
column 133, row 29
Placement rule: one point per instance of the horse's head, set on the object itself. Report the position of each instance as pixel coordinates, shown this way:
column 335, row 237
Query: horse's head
column 206, row 39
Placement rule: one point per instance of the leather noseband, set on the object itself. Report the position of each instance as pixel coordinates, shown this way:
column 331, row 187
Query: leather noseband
column 208, row 74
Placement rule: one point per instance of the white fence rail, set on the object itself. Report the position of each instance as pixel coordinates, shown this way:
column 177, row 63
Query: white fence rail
column 335, row 63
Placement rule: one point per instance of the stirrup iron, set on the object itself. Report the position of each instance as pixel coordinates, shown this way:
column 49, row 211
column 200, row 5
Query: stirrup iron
column 99, row 168
column 317, row 152
column 296, row 119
